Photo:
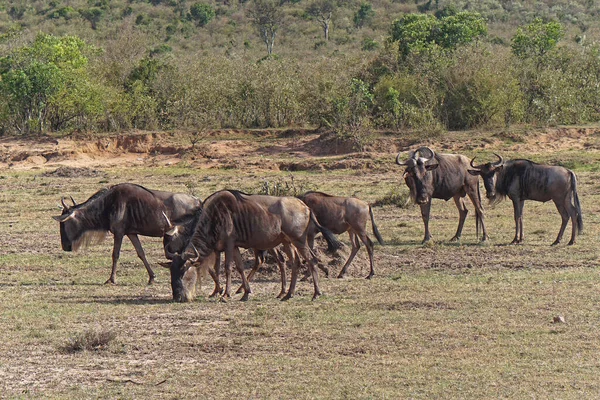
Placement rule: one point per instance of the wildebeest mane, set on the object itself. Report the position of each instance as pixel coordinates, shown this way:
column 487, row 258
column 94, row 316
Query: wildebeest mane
column 518, row 169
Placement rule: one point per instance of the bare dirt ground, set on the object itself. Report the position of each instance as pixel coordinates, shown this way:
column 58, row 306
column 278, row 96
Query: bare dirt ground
column 230, row 149
column 438, row 321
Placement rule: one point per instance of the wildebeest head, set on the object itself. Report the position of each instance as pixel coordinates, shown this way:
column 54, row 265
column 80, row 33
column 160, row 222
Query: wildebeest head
column 71, row 227
column 417, row 176
column 488, row 173
column 182, row 253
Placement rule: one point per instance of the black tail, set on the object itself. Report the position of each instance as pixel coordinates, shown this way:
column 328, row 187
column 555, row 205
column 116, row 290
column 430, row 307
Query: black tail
column 332, row 242
column 375, row 230
column 577, row 204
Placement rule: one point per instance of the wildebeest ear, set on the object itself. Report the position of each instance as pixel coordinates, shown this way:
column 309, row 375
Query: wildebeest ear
column 474, row 172
column 64, row 217
column 173, row 231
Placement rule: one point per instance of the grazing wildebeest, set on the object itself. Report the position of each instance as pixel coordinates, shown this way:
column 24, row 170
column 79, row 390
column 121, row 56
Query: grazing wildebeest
column 522, row 180
column 446, row 178
column 344, row 214
column 123, row 209
column 231, row 219
column 174, row 244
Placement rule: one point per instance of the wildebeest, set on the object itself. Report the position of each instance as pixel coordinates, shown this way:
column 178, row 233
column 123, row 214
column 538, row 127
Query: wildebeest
column 522, row 180
column 446, row 178
column 123, row 209
column 231, row 219
column 344, row 214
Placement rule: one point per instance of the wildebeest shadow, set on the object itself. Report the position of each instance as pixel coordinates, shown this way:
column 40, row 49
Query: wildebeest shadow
column 114, row 300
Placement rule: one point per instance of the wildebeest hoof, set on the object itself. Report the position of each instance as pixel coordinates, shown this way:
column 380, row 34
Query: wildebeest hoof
column 286, row 297
column 110, row 281
column 571, row 243
column 315, row 296
column 555, row 243
column 151, row 281
column 455, row 239
column 244, row 297
column 370, row 276
column 280, row 295
column 341, row 276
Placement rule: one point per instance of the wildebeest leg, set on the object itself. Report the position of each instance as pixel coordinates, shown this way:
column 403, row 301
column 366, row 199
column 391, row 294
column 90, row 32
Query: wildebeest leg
column 240, row 267
column 295, row 263
column 258, row 260
column 310, row 239
column 425, row 209
column 214, row 274
column 573, row 214
column 228, row 259
column 479, row 218
column 292, row 258
column 462, row 216
column 135, row 240
column 310, row 260
column 115, row 257
column 369, row 245
column 355, row 248
column 564, row 214
column 518, row 210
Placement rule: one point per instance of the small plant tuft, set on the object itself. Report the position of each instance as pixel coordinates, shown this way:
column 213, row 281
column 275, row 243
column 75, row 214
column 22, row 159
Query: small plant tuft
column 90, row 340
column 394, row 197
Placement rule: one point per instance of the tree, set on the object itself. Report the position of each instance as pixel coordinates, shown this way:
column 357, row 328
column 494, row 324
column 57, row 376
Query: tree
column 266, row 16
column 322, row 11
column 363, row 15
column 202, row 13
column 424, row 32
column 34, row 78
column 93, row 15
column 536, row 39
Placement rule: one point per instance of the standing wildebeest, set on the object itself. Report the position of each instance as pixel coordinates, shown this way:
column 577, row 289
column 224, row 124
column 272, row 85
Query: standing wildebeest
column 344, row 214
column 123, row 209
column 522, row 180
column 231, row 219
column 447, row 178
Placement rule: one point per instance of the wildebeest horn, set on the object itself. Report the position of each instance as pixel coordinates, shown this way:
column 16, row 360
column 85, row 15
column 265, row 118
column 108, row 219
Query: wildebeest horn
column 499, row 162
column 425, row 152
column 410, row 163
column 398, row 160
column 168, row 221
column 196, row 254
column 475, row 166
column 73, row 200
column 62, row 201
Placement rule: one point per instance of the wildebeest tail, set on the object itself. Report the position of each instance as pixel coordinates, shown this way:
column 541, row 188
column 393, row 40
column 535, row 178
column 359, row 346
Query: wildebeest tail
column 375, row 230
column 332, row 242
column 577, row 203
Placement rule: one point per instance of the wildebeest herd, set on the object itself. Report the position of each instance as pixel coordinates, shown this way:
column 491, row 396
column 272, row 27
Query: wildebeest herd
column 195, row 233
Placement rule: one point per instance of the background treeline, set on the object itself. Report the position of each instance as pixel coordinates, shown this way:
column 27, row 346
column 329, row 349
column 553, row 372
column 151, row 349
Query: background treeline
column 349, row 65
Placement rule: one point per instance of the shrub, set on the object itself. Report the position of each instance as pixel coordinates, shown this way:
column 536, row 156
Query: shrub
column 91, row 340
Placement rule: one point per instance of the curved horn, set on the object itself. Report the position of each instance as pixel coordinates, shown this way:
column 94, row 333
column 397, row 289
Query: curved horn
column 499, row 162
column 62, row 201
column 73, row 200
column 475, row 166
column 426, row 152
column 398, row 160
column 196, row 254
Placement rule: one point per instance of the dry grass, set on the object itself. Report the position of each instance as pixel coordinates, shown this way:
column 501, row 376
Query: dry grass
column 437, row 321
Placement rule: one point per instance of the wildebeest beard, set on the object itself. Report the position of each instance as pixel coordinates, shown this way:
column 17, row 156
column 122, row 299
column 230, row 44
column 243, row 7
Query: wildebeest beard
column 89, row 238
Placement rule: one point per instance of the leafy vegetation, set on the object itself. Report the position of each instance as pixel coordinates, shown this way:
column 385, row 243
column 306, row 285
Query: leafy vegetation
column 177, row 64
